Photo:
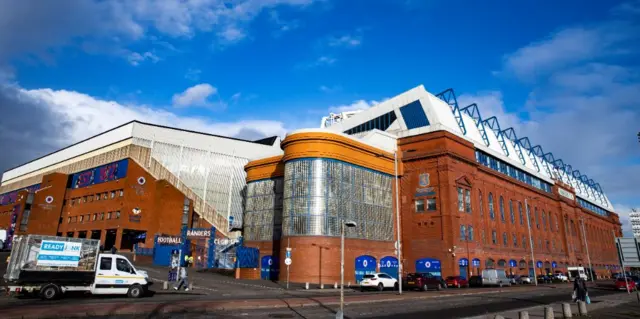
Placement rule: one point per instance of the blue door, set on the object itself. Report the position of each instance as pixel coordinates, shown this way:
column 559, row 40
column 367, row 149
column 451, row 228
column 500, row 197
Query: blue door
column 463, row 264
column 389, row 266
column 429, row 265
column 269, row 268
column 162, row 253
column 365, row 265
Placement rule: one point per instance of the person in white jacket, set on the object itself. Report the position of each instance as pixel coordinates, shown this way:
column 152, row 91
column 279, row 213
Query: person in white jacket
column 184, row 279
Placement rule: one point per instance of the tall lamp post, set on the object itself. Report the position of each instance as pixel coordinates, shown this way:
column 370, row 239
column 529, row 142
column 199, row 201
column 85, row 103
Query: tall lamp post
column 343, row 224
column 533, row 260
column 399, row 241
column 586, row 245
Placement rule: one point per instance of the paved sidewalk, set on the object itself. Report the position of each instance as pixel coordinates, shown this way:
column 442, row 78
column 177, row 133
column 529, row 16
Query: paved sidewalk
column 630, row 310
column 602, row 304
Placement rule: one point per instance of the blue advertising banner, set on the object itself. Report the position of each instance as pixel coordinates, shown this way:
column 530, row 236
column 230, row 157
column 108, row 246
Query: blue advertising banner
column 105, row 173
column 365, row 265
column 429, row 265
column 513, row 263
column 12, row 227
column 10, row 197
column 464, row 262
column 475, row 262
column 389, row 266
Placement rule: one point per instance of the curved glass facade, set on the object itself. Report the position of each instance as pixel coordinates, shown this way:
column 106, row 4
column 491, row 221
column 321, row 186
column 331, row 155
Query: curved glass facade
column 320, row 192
column 263, row 210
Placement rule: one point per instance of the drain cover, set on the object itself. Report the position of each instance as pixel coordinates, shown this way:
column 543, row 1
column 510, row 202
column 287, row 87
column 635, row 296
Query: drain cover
column 281, row 315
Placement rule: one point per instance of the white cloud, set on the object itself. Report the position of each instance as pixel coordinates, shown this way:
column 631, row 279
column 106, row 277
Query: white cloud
column 624, row 211
column 349, row 41
column 490, row 104
column 197, row 95
column 193, row 74
column 118, row 23
column 358, row 105
column 66, row 117
column 136, row 58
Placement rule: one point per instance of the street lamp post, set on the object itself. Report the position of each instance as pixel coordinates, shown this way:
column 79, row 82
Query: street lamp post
column 398, row 232
column 343, row 224
column 586, row 245
column 533, row 260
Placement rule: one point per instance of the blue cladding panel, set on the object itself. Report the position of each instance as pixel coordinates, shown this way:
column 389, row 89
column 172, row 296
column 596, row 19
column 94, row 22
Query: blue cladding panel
column 414, row 115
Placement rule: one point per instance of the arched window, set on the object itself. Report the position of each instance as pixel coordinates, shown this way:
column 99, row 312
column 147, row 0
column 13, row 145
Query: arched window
column 463, row 232
column 502, row 209
column 492, row 213
column 524, row 242
column 513, row 217
column 494, row 237
column 481, row 204
column 537, row 217
column 521, row 215
column 515, row 240
column 470, row 233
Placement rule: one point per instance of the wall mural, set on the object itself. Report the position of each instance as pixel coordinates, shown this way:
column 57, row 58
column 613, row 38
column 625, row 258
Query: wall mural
column 10, row 197
column 105, row 173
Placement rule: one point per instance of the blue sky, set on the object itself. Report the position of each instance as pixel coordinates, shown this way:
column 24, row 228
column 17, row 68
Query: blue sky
column 565, row 73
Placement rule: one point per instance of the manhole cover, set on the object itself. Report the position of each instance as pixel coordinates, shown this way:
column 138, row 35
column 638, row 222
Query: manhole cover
column 281, row 315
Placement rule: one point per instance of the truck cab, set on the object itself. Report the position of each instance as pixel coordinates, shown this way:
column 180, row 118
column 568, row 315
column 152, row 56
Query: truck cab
column 116, row 275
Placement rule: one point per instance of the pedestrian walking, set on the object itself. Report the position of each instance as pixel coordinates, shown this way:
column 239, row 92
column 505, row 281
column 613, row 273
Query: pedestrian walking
column 113, row 249
column 184, row 279
column 580, row 289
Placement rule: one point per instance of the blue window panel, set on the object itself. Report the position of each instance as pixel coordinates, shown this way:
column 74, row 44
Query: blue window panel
column 381, row 122
column 414, row 115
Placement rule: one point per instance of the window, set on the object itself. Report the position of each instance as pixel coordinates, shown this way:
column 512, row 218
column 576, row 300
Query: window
column 484, row 240
column 492, row 213
column 515, row 240
column 548, row 247
column 105, row 263
column 502, row 209
column 123, row 265
column 25, row 218
column 117, row 214
column 467, row 200
column 419, row 206
column 524, row 242
column 509, row 170
column 463, row 232
column 97, row 196
column 520, row 211
column 470, row 233
column 113, row 194
column 512, row 215
column 109, row 215
column 88, row 218
column 481, row 205
column 494, row 237
column 537, row 217
column 81, row 218
column 68, row 220
column 95, row 216
column 431, row 204
column 460, row 199
column 121, row 193
column 544, row 220
column 504, row 239
column 105, row 195
column 101, row 216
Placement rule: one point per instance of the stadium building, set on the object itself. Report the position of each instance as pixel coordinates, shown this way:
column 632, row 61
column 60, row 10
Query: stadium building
column 466, row 187
column 132, row 181
column 471, row 194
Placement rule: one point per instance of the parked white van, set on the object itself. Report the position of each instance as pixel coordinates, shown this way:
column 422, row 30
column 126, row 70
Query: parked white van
column 495, row 277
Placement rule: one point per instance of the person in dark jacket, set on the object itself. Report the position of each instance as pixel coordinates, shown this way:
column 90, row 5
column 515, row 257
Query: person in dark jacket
column 580, row 288
column 113, row 249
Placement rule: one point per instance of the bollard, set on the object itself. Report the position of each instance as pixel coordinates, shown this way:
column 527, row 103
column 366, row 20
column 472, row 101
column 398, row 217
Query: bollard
column 548, row 313
column 306, row 285
column 498, row 317
column 321, row 286
column 190, row 286
column 582, row 308
column 523, row 315
column 335, row 285
column 566, row 310
column 349, row 285
column 165, row 285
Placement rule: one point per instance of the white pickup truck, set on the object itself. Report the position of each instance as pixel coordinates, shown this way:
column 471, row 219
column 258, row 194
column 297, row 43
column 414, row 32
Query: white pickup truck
column 50, row 266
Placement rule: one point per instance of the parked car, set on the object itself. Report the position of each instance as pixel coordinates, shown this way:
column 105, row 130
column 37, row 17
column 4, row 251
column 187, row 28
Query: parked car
column 378, row 281
column 423, row 281
column 525, row 280
column 544, row 279
column 560, row 277
column 457, row 281
column 495, row 277
column 631, row 285
column 475, row 281
column 514, row 279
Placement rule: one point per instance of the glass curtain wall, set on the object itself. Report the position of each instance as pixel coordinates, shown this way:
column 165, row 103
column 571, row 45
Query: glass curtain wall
column 319, row 193
column 263, row 210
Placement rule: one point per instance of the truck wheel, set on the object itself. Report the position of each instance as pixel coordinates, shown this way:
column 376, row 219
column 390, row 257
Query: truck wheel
column 50, row 292
column 135, row 291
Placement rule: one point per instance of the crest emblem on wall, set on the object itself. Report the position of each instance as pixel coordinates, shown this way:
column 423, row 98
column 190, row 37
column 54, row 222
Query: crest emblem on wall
column 424, row 180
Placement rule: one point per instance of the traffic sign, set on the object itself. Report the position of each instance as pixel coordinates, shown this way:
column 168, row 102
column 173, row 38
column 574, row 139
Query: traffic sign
column 287, row 261
column 288, row 254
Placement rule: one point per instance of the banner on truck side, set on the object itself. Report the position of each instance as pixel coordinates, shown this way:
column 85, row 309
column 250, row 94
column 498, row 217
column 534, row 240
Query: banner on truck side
column 59, row 254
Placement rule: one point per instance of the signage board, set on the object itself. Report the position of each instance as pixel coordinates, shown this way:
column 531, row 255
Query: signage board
column 59, row 253
column 565, row 193
column 198, row 233
column 628, row 251
column 287, row 261
column 169, row 240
